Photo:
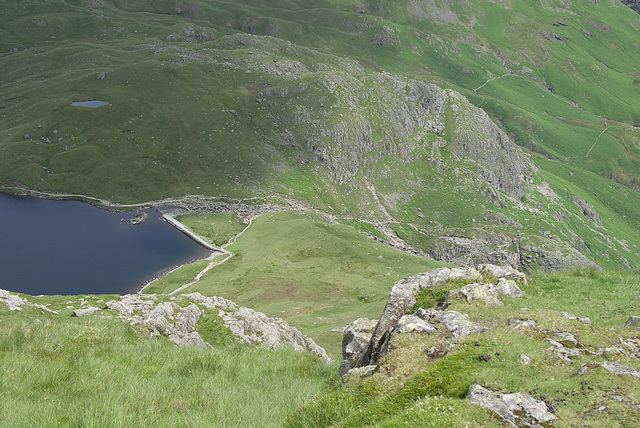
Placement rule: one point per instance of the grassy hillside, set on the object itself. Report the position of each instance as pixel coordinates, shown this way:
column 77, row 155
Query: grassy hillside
column 315, row 275
column 423, row 382
column 323, row 101
column 63, row 371
column 95, row 371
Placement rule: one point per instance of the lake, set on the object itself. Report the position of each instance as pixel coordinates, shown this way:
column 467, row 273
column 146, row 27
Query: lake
column 70, row 247
column 90, row 103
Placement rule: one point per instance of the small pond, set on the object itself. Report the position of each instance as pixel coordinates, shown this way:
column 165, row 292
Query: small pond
column 91, row 103
column 70, row 247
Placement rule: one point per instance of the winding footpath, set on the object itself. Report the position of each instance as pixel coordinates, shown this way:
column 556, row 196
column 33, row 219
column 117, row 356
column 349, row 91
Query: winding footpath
column 215, row 252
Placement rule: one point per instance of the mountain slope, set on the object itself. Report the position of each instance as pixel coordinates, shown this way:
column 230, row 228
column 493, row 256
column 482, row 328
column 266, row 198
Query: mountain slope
column 333, row 104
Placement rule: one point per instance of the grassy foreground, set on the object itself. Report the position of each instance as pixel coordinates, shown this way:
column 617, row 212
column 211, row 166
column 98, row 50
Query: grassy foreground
column 418, row 386
column 58, row 371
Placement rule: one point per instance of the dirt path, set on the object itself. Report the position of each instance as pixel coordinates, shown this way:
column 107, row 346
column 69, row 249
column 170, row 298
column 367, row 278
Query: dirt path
column 390, row 237
column 596, row 142
column 215, row 251
column 383, row 226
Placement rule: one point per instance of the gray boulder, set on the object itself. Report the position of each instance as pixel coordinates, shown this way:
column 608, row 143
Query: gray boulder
column 355, row 338
column 502, row 272
column 584, row 320
column 632, row 322
column 487, row 293
column 567, row 337
column 525, row 359
column 516, row 409
column 254, row 327
column 402, row 298
column 414, row 324
column 130, row 303
column 12, row 301
column 517, row 324
column 457, row 324
column 616, row 368
column 564, row 352
column 85, row 311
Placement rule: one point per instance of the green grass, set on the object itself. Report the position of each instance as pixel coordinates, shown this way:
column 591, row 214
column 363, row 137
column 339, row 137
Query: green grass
column 247, row 126
column 412, row 387
column 315, row 275
column 217, row 228
column 68, row 371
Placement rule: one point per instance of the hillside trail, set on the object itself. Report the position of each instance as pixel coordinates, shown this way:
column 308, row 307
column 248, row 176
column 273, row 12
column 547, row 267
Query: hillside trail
column 600, row 135
column 389, row 235
column 105, row 203
column 213, row 263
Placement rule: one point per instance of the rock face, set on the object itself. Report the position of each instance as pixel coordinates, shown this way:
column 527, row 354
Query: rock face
column 516, row 409
column 355, row 338
column 395, row 318
column 403, row 298
column 547, row 254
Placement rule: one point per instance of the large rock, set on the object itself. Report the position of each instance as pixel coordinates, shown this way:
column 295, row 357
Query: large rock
column 632, row 322
column 355, row 338
column 516, row 409
column 403, row 298
column 414, row 324
column 502, row 272
column 15, row 303
column 254, row 327
column 130, row 303
column 455, row 323
column 616, row 368
column 85, row 311
column 12, row 301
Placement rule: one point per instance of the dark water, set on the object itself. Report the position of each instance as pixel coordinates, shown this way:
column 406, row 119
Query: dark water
column 90, row 104
column 69, row 247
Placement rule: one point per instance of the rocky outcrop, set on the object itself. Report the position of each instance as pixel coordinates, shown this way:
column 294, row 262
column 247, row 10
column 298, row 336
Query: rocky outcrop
column 179, row 323
column 619, row 369
column 15, row 302
column 516, row 409
column 176, row 318
column 395, row 318
column 191, row 34
column 547, row 254
column 254, row 327
column 633, row 4
column 402, row 298
column 85, row 311
column 632, row 322
column 487, row 293
column 456, row 323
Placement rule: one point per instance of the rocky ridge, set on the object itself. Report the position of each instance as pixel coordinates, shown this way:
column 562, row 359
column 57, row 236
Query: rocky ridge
column 176, row 318
column 367, row 343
